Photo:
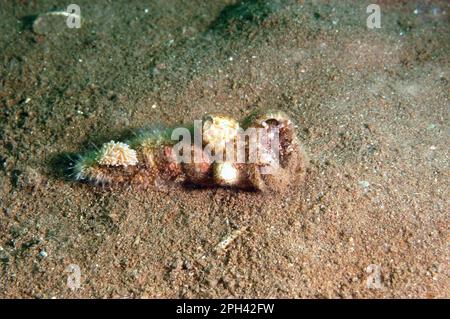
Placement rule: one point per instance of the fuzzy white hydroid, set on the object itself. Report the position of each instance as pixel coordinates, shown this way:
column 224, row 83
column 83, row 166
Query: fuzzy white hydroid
column 117, row 154
column 219, row 130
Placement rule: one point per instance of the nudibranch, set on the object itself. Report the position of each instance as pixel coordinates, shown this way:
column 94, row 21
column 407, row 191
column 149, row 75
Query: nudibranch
column 260, row 153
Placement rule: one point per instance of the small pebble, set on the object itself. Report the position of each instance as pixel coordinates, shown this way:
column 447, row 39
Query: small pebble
column 43, row 254
column 365, row 185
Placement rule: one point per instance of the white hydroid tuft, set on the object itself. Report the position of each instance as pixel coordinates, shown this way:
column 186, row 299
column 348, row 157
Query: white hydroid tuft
column 225, row 173
column 117, row 154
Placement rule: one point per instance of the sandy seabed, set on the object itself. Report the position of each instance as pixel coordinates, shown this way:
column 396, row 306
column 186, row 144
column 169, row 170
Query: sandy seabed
column 372, row 112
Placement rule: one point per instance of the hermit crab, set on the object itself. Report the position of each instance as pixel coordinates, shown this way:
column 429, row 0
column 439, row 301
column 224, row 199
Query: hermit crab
column 260, row 153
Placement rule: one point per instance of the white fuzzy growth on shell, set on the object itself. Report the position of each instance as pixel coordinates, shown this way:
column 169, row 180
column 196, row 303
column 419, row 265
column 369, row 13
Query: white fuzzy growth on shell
column 226, row 173
column 117, row 154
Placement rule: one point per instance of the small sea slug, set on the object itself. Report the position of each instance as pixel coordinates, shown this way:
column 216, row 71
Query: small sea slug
column 260, row 153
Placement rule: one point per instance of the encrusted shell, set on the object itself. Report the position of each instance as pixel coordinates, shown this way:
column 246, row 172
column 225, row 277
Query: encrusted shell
column 219, row 130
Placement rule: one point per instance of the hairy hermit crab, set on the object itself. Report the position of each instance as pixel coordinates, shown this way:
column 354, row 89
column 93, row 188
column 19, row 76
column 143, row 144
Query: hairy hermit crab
column 260, row 153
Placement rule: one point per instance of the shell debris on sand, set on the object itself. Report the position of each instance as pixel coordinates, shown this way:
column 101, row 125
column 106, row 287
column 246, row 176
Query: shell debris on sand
column 230, row 238
column 53, row 22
